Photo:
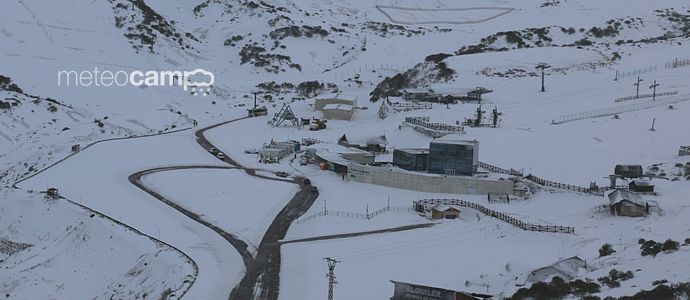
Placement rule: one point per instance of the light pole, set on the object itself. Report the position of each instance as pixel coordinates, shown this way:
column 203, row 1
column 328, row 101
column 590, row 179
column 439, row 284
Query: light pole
column 542, row 66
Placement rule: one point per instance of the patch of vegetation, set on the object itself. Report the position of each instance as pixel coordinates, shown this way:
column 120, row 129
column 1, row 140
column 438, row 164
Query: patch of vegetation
column 615, row 277
column 298, row 32
column 199, row 9
column 387, row 29
column 679, row 21
column 550, row 3
column 232, row 41
column 423, row 73
column 275, row 88
column 652, row 248
column 662, row 291
column 526, row 38
column 310, row 88
column 7, row 85
column 584, row 42
column 145, row 25
column 606, row 250
column 557, row 289
column 437, row 58
column 257, row 56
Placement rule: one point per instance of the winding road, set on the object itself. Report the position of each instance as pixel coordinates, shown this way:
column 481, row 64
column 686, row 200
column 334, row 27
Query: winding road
column 264, row 270
column 237, row 243
column 262, row 276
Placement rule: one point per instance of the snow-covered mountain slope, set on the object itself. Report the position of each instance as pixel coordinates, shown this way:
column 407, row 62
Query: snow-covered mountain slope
column 51, row 249
column 369, row 49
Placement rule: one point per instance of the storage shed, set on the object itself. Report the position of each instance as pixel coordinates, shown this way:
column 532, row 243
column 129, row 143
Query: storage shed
column 628, row 171
column 684, row 150
column 641, row 186
column 441, row 211
column 628, row 204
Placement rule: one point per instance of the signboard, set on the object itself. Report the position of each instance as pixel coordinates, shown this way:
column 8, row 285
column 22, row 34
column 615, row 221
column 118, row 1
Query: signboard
column 407, row 291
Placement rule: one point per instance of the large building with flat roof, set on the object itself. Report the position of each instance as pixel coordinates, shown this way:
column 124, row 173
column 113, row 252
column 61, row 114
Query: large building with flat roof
column 411, row 159
column 450, row 157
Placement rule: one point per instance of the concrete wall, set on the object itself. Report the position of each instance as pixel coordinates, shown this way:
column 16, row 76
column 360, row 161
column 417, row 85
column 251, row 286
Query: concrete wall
column 424, row 182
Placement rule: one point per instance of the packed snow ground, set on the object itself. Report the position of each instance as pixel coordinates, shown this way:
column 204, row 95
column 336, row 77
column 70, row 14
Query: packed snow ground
column 51, row 249
column 97, row 178
column 231, row 199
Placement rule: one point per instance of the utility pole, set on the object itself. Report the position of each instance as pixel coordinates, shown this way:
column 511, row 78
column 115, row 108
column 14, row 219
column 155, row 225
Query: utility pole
column 331, row 275
column 542, row 66
column 637, row 86
column 653, row 86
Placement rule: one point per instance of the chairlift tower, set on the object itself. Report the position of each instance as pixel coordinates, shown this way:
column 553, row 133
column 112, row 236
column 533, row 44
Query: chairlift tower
column 653, row 86
column 637, row 87
column 542, row 66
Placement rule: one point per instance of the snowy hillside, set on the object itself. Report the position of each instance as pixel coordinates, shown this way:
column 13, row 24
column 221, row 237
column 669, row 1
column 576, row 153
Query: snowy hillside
column 51, row 248
column 197, row 215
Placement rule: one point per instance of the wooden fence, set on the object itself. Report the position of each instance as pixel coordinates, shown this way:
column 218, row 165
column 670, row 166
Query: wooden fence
column 365, row 216
column 495, row 169
column 406, row 106
column 564, row 186
column 627, row 98
column 424, row 203
column 434, row 130
column 541, row 181
column 609, row 111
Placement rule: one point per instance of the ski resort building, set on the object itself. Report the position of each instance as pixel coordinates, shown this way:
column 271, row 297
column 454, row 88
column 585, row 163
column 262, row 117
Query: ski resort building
column 453, row 157
column 445, row 157
column 412, row 159
column 425, row 182
column 409, row 291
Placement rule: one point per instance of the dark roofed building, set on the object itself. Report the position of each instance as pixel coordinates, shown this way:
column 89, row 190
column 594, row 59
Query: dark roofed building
column 408, row 291
column 453, row 157
column 641, row 186
column 411, row 159
column 628, row 171
column 372, row 144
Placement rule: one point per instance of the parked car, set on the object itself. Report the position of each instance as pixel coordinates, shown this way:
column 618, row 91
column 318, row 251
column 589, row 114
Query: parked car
column 282, row 174
column 220, row 155
column 213, row 150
